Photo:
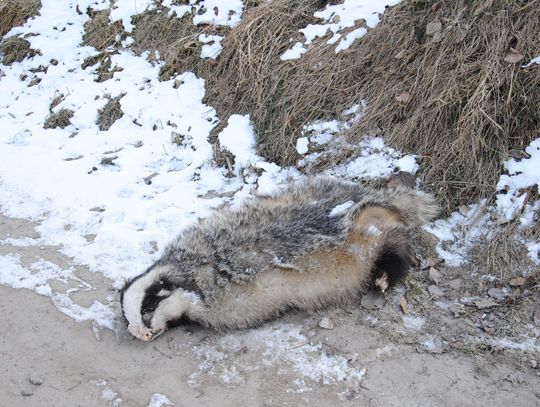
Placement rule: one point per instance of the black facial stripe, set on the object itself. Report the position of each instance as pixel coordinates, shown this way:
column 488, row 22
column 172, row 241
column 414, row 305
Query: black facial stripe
column 151, row 298
column 129, row 283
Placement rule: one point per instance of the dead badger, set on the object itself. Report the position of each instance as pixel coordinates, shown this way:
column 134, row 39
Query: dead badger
column 318, row 242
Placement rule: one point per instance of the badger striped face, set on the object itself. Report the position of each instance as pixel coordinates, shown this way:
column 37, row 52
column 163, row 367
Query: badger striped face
column 151, row 303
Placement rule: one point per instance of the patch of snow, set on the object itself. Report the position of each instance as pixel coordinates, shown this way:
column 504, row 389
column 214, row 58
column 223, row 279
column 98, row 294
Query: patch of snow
column 159, row 400
column 532, row 61
column 282, row 346
column 341, row 209
column 337, row 19
column 212, row 12
column 212, row 45
column 297, row 50
column 302, row 145
column 413, row 323
column 218, row 12
column 239, row 139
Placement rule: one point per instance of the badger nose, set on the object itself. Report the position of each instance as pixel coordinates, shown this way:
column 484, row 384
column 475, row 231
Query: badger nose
column 140, row 332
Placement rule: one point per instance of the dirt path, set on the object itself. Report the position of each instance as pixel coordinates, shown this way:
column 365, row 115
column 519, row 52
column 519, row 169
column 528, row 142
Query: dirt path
column 290, row 362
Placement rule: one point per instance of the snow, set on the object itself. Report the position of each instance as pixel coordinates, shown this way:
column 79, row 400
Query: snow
column 341, row 209
column 302, row 145
column 159, row 400
column 239, row 139
column 213, row 12
column 162, row 176
column 532, row 61
column 282, row 345
column 212, row 47
column 337, row 19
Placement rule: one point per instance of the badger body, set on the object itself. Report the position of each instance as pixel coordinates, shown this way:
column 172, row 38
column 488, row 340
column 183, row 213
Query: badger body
column 319, row 242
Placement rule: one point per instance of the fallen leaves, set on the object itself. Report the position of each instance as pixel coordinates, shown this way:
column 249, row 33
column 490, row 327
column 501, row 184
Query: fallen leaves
column 513, row 57
column 403, row 304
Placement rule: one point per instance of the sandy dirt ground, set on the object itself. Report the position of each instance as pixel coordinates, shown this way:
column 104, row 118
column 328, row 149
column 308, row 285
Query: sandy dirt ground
column 49, row 359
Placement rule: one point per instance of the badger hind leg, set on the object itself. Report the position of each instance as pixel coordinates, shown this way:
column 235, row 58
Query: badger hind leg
column 393, row 260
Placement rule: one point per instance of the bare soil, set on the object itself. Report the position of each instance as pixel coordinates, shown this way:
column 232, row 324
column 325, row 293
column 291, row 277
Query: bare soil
column 48, row 359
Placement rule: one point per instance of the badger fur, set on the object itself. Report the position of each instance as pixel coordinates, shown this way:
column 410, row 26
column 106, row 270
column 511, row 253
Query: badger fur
column 316, row 243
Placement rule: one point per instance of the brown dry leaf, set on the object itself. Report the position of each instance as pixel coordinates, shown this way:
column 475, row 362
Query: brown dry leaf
column 434, row 275
column 518, row 282
column 404, row 97
column 485, row 303
column 513, row 57
column 403, row 304
column 433, row 27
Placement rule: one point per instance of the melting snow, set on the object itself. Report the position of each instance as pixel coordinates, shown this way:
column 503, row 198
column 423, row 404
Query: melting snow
column 337, row 19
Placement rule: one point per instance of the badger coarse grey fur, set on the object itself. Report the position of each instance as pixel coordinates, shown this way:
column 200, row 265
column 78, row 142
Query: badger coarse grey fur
column 319, row 242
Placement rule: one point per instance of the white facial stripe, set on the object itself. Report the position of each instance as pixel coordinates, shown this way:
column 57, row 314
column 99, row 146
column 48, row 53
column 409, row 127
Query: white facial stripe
column 171, row 308
column 134, row 296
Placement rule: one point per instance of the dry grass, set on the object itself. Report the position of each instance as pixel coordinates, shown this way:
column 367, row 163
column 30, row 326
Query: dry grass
column 250, row 78
column 175, row 39
column 468, row 106
column 100, row 33
column 110, row 113
column 15, row 12
column 59, row 119
column 16, row 49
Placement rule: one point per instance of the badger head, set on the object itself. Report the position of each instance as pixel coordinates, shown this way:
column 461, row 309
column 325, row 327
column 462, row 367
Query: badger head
column 151, row 303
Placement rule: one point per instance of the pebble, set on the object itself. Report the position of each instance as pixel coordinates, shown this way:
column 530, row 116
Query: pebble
column 372, row 300
column 533, row 363
column 36, row 380
column 27, row 392
column 326, row 323
column 435, row 291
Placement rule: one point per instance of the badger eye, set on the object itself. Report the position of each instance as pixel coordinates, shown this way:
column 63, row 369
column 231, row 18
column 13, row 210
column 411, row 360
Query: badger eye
column 147, row 317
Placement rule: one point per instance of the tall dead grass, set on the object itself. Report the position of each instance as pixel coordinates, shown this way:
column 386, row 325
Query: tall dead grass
column 447, row 95
column 15, row 12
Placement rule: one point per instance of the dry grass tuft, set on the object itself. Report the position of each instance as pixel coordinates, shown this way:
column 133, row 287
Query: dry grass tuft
column 16, row 49
column 175, row 39
column 449, row 97
column 99, row 32
column 250, row 78
column 59, row 119
column 110, row 113
column 468, row 107
column 16, row 12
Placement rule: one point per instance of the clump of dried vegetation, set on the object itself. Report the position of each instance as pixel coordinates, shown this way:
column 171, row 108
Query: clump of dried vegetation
column 111, row 112
column 61, row 119
column 15, row 49
column 99, row 32
column 16, row 12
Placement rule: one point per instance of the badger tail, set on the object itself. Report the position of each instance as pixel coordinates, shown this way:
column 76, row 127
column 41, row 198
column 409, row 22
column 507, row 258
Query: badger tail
column 394, row 258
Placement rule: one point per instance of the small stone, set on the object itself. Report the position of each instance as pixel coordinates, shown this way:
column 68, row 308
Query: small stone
column 372, row 300
column 27, row 392
column 435, row 291
column 456, row 284
column 497, row 293
column 36, row 380
column 533, row 363
column 433, row 27
column 485, row 303
column 518, row 282
column 326, row 323
column 434, row 275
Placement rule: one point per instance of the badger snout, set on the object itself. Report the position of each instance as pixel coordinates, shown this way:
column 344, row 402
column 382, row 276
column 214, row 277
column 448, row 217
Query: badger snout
column 143, row 333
